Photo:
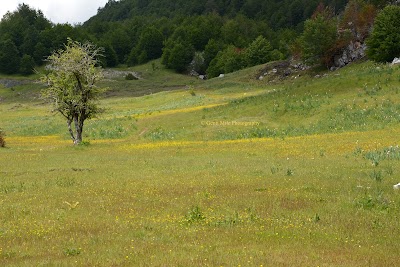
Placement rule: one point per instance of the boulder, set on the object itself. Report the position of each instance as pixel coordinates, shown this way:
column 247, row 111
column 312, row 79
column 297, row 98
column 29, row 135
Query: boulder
column 396, row 61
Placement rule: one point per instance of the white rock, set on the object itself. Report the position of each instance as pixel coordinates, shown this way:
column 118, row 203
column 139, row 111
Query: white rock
column 396, row 61
column 221, row 75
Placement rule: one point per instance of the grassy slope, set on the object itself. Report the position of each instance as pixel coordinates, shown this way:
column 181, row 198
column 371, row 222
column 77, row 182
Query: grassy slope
column 158, row 187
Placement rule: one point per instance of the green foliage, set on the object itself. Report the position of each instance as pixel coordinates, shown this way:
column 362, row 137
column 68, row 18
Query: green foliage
column 241, row 31
column 9, row 57
column 373, row 200
column 229, row 60
column 388, row 153
column 259, row 52
column 177, row 56
column 72, row 251
column 110, row 58
column 149, row 46
column 119, row 38
column 195, row 215
column 40, row 53
column 211, row 50
column 27, row 32
column 27, row 65
column 134, row 32
column 71, row 80
column 198, row 63
column 318, row 40
column 384, row 41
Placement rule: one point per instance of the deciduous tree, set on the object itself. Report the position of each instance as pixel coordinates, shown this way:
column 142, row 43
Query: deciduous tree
column 384, row 41
column 73, row 74
column 318, row 39
column 258, row 52
column 9, row 57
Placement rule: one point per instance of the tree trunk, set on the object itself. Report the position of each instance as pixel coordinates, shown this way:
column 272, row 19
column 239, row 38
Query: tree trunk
column 78, row 130
column 71, row 132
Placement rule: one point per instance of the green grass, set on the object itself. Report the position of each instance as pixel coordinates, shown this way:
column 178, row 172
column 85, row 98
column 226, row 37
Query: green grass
column 310, row 185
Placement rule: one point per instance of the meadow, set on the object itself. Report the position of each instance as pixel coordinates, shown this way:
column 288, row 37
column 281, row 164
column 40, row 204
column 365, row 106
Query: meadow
column 232, row 171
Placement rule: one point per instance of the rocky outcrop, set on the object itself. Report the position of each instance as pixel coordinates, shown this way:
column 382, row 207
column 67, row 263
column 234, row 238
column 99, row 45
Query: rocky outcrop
column 113, row 74
column 354, row 51
column 281, row 70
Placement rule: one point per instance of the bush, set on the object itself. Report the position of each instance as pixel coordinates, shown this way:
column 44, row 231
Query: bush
column 2, row 140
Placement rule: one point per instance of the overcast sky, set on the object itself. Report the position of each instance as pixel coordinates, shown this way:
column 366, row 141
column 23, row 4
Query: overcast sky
column 58, row 11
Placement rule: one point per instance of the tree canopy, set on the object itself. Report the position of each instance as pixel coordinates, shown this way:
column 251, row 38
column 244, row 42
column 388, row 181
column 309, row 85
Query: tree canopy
column 384, row 42
column 136, row 31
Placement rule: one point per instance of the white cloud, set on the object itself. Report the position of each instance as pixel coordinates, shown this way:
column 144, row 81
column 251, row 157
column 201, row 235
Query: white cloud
column 58, row 11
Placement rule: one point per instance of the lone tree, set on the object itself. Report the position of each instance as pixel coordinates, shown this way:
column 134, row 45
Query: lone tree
column 72, row 74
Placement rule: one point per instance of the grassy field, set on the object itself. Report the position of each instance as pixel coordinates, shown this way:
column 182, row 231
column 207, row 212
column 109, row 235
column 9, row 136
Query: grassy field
column 225, row 172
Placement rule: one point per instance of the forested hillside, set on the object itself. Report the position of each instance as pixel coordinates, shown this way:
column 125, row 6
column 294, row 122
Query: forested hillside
column 278, row 14
column 202, row 36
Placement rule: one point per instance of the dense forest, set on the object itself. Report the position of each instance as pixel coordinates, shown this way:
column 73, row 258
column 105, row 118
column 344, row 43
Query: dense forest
column 202, row 36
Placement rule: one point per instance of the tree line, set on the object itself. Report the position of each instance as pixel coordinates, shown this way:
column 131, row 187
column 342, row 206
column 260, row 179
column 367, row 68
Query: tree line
column 207, row 36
